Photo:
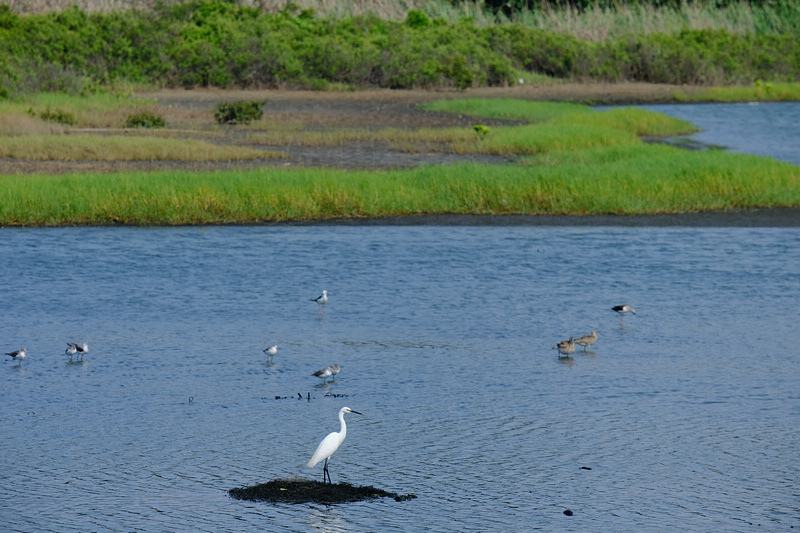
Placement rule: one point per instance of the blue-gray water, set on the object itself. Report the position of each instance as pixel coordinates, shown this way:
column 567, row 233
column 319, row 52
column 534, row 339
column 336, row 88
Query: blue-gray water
column 769, row 129
column 688, row 416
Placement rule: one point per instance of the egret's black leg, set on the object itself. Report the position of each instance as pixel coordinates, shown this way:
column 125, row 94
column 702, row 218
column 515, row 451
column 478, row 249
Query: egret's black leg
column 326, row 473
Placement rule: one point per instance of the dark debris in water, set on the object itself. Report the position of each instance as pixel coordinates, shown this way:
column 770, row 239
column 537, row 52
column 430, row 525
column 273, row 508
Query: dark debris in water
column 305, row 491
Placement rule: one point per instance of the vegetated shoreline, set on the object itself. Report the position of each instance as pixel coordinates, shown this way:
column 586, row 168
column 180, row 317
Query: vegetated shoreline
column 592, row 92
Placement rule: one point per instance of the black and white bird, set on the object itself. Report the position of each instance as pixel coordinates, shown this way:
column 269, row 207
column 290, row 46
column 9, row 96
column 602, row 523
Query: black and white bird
column 74, row 347
column 271, row 351
column 322, row 299
column 622, row 309
column 18, row 355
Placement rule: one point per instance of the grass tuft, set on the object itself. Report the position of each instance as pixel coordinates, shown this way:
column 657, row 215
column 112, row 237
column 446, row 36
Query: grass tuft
column 121, row 148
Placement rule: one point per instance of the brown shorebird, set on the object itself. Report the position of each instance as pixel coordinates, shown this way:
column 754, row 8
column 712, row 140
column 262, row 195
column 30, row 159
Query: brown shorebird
column 622, row 309
column 565, row 348
column 587, row 340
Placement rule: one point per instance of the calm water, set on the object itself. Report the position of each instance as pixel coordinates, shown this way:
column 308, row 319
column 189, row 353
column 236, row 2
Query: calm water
column 768, row 129
column 688, row 417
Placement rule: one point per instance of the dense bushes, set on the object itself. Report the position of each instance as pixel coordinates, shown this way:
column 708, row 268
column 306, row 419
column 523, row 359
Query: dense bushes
column 216, row 43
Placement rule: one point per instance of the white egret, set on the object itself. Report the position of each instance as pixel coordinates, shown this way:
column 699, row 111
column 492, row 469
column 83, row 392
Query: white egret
column 271, row 351
column 565, row 347
column 321, row 300
column 587, row 340
column 18, row 355
column 622, row 309
column 330, row 444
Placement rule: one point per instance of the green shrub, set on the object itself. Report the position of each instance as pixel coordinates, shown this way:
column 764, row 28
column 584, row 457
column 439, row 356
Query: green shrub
column 145, row 119
column 241, row 112
column 417, row 19
column 58, row 115
column 217, row 43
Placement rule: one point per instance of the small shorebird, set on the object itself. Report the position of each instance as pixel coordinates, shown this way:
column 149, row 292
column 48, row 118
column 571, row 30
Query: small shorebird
column 327, row 372
column 71, row 349
column 74, row 347
column 565, row 348
column 321, row 300
column 622, row 309
column 587, row 340
column 271, row 351
column 18, row 355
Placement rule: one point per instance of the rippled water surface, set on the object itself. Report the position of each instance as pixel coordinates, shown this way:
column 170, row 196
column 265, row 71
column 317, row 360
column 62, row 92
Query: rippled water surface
column 686, row 418
column 769, row 129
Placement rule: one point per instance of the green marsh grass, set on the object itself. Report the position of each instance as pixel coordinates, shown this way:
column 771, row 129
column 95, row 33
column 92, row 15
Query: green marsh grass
column 121, row 148
column 538, row 138
column 632, row 120
column 623, row 180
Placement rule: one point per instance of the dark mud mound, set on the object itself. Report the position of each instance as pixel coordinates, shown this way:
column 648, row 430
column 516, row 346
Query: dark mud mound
column 305, row 491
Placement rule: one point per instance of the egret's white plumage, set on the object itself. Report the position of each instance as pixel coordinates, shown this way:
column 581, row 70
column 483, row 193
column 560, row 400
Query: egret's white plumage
column 321, row 300
column 622, row 309
column 18, row 355
column 330, row 444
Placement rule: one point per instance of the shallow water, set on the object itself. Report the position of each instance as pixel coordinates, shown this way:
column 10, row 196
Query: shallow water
column 770, row 129
column 687, row 417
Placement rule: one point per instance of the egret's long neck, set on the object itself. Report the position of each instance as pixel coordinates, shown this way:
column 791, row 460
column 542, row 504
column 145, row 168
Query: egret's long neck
column 343, row 427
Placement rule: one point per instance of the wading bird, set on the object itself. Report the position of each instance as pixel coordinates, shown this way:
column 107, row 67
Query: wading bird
column 330, row 444
column 271, row 351
column 79, row 348
column 71, row 349
column 327, row 372
column 321, row 300
column 18, row 355
column 565, row 348
column 622, row 309
column 587, row 340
